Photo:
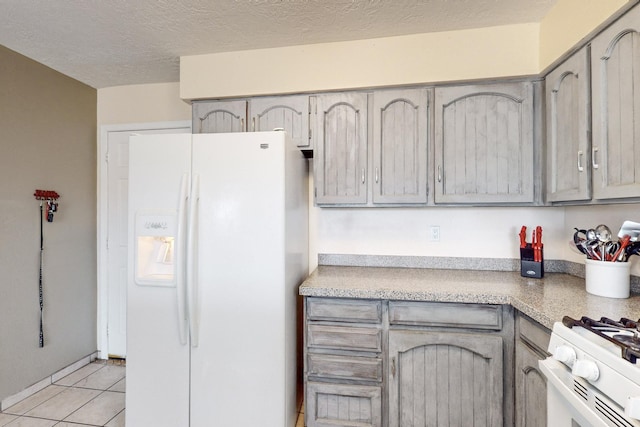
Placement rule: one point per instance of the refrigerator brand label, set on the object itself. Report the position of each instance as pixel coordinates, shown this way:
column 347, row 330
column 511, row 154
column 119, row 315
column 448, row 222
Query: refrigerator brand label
column 156, row 225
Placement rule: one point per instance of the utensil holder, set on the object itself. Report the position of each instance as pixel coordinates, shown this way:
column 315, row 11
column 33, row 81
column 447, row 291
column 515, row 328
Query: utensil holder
column 607, row 279
column 529, row 267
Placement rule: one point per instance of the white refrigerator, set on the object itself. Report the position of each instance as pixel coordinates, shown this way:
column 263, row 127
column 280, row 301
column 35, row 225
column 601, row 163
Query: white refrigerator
column 218, row 245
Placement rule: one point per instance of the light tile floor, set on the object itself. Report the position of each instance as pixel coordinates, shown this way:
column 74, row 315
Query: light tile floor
column 91, row 396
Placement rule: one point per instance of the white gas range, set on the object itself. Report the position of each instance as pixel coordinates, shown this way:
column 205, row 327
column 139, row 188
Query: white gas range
column 593, row 375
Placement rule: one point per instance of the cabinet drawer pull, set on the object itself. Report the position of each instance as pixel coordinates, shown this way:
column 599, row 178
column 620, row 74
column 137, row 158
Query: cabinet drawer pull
column 377, row 177
column 363, row 175
column 593, row 157
column 439, row 174
column 580, row 167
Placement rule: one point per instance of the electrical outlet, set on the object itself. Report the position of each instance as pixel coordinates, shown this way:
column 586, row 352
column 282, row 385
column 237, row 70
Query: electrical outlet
column 434, row 233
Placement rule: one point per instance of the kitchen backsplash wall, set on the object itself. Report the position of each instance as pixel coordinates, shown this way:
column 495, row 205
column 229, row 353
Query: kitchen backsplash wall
column 468, row 232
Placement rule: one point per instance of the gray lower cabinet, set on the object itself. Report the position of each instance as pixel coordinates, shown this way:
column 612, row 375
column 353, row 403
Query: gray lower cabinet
column 568, row 100
column 615, row 62
column 532, row 341
column 448, row 364
column 445, row 379
column 484, row 144
column 401, row 363
column 343, row 363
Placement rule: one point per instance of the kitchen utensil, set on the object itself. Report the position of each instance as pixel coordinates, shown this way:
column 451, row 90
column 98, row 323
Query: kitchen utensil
column 603, row 233
column 623, row 244
column 591, row 246
column 537, row 245
column 631, row 228
column 590, row 234
column 579, row 239
column 632, row 249
column 577, row 247
column 523, row 237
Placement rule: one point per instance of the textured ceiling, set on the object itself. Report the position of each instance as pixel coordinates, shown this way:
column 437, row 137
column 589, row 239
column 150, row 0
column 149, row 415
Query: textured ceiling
column 117, row 42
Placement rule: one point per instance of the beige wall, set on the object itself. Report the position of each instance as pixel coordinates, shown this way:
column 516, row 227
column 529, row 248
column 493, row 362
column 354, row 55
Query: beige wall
column 569, row 22
column 141, row 104
column 509, row 50
column 48, row 128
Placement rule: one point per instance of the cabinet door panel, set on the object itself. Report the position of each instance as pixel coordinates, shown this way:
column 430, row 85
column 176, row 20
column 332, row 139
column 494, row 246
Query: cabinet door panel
column 219, row 116
column 288, row 112
column 531, row 389
column 616, row 109
column 532, row 341
column 400, row 146
column 445, row 379
column 340, row 158
column 568, row 113
column 484, row 144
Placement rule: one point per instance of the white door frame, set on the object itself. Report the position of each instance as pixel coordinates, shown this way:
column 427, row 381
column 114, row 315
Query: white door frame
column 102, row 220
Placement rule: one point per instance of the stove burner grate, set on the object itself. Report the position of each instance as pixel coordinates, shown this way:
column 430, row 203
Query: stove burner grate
column 599, row 327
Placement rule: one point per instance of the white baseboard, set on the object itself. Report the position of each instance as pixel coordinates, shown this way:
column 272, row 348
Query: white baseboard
column 34, row 388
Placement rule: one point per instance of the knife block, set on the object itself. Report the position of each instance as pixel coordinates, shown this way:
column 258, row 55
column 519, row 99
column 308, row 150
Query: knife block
column 529, row 267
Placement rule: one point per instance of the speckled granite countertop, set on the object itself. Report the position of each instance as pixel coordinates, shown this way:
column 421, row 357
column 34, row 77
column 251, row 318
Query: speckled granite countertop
column 545, row 300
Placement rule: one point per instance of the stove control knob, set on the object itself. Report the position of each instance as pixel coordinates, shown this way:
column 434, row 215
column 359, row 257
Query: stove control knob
column 632, row 409
column 565, row 354
column 586, row 369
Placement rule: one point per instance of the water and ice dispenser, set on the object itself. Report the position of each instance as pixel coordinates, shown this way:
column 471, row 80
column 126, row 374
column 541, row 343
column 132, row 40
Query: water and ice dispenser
column 155, row 257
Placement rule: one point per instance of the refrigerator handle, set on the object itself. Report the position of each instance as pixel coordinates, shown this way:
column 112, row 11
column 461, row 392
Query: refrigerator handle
column 192, row 262
column 183, row 326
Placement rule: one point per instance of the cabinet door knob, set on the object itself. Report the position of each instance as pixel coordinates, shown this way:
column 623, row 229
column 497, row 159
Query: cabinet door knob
column 439, row 174
column 363, row 175
column 377, row 177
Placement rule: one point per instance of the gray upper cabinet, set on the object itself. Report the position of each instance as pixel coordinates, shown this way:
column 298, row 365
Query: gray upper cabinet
column 615, row 61
column 484, row 142
column 568, row 130
column 340, row 153
column 219, row 116
column 400, row 146
column 290, row 113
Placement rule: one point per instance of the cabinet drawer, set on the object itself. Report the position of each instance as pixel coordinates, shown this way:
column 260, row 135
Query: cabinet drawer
column 344, row 338
column 475, row 316
column 345, row 367
column 362, row 311
column 334, row 405
column 533, row 334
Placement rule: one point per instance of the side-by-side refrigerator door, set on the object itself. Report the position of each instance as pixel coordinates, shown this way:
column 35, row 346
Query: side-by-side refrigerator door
column 238, row 353
column 157, row 339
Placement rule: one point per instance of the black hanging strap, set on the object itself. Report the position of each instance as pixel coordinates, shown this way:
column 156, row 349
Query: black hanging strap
column 40, row 296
